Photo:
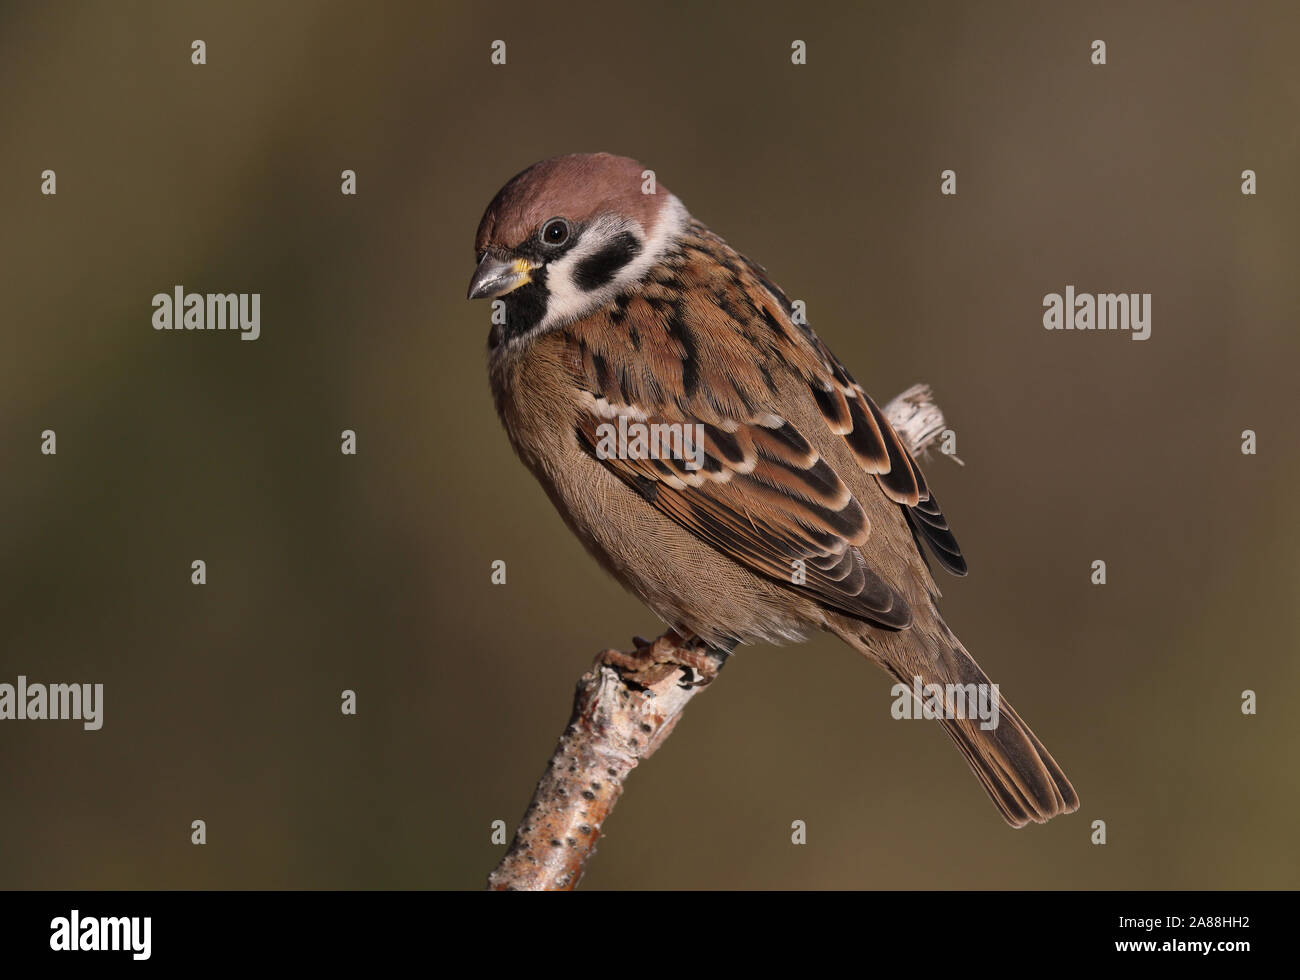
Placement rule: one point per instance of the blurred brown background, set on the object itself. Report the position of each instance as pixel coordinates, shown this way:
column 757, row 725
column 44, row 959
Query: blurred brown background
column 371, row 572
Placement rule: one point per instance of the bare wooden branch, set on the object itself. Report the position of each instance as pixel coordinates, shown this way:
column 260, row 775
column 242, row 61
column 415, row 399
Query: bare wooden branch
column 623, row 710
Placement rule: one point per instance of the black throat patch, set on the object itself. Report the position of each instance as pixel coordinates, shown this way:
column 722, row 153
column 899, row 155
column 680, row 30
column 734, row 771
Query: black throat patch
column 525, row 309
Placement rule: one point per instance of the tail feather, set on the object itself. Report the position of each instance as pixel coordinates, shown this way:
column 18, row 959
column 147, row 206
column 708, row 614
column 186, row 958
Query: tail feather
column 1019, row 774
column 1014, row 767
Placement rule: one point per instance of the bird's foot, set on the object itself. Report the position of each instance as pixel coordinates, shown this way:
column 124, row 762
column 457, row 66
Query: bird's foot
column 652, row 661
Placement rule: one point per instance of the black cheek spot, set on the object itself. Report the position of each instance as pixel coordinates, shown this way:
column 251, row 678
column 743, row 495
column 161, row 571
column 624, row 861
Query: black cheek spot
column 600, row 268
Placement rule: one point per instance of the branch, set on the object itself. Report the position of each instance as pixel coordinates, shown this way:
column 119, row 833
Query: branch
column 623, row 710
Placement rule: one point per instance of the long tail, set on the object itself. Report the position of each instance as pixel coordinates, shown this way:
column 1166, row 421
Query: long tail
column 1015, row 768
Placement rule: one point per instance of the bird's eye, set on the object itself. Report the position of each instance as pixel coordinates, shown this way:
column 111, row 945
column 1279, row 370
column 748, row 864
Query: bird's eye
column 555, row 232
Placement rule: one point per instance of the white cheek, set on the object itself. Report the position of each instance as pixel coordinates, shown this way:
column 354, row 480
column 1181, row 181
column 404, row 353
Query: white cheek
column 568, row 301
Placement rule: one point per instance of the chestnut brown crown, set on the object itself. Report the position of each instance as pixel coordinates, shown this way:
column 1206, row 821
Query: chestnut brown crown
column 578, row 187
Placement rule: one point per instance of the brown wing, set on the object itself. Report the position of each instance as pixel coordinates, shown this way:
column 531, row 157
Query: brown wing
column 707, row 342
column 849, row 411
column 756, row 491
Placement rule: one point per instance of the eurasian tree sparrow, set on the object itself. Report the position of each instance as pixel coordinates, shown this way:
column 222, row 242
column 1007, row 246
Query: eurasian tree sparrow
column 806, row 511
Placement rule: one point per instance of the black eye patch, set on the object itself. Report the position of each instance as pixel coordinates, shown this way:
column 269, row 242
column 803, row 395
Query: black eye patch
column 600, row 268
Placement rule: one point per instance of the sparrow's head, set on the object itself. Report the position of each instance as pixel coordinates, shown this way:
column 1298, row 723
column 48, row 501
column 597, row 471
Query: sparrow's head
column 567, row 235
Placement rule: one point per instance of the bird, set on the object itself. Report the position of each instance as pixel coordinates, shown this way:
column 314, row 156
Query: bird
column 796, row 508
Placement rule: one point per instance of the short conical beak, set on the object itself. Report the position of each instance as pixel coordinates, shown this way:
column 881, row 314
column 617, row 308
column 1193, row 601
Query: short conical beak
column 496, row 277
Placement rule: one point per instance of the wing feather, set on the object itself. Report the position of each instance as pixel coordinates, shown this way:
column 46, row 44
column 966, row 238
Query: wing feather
column 705, row 346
